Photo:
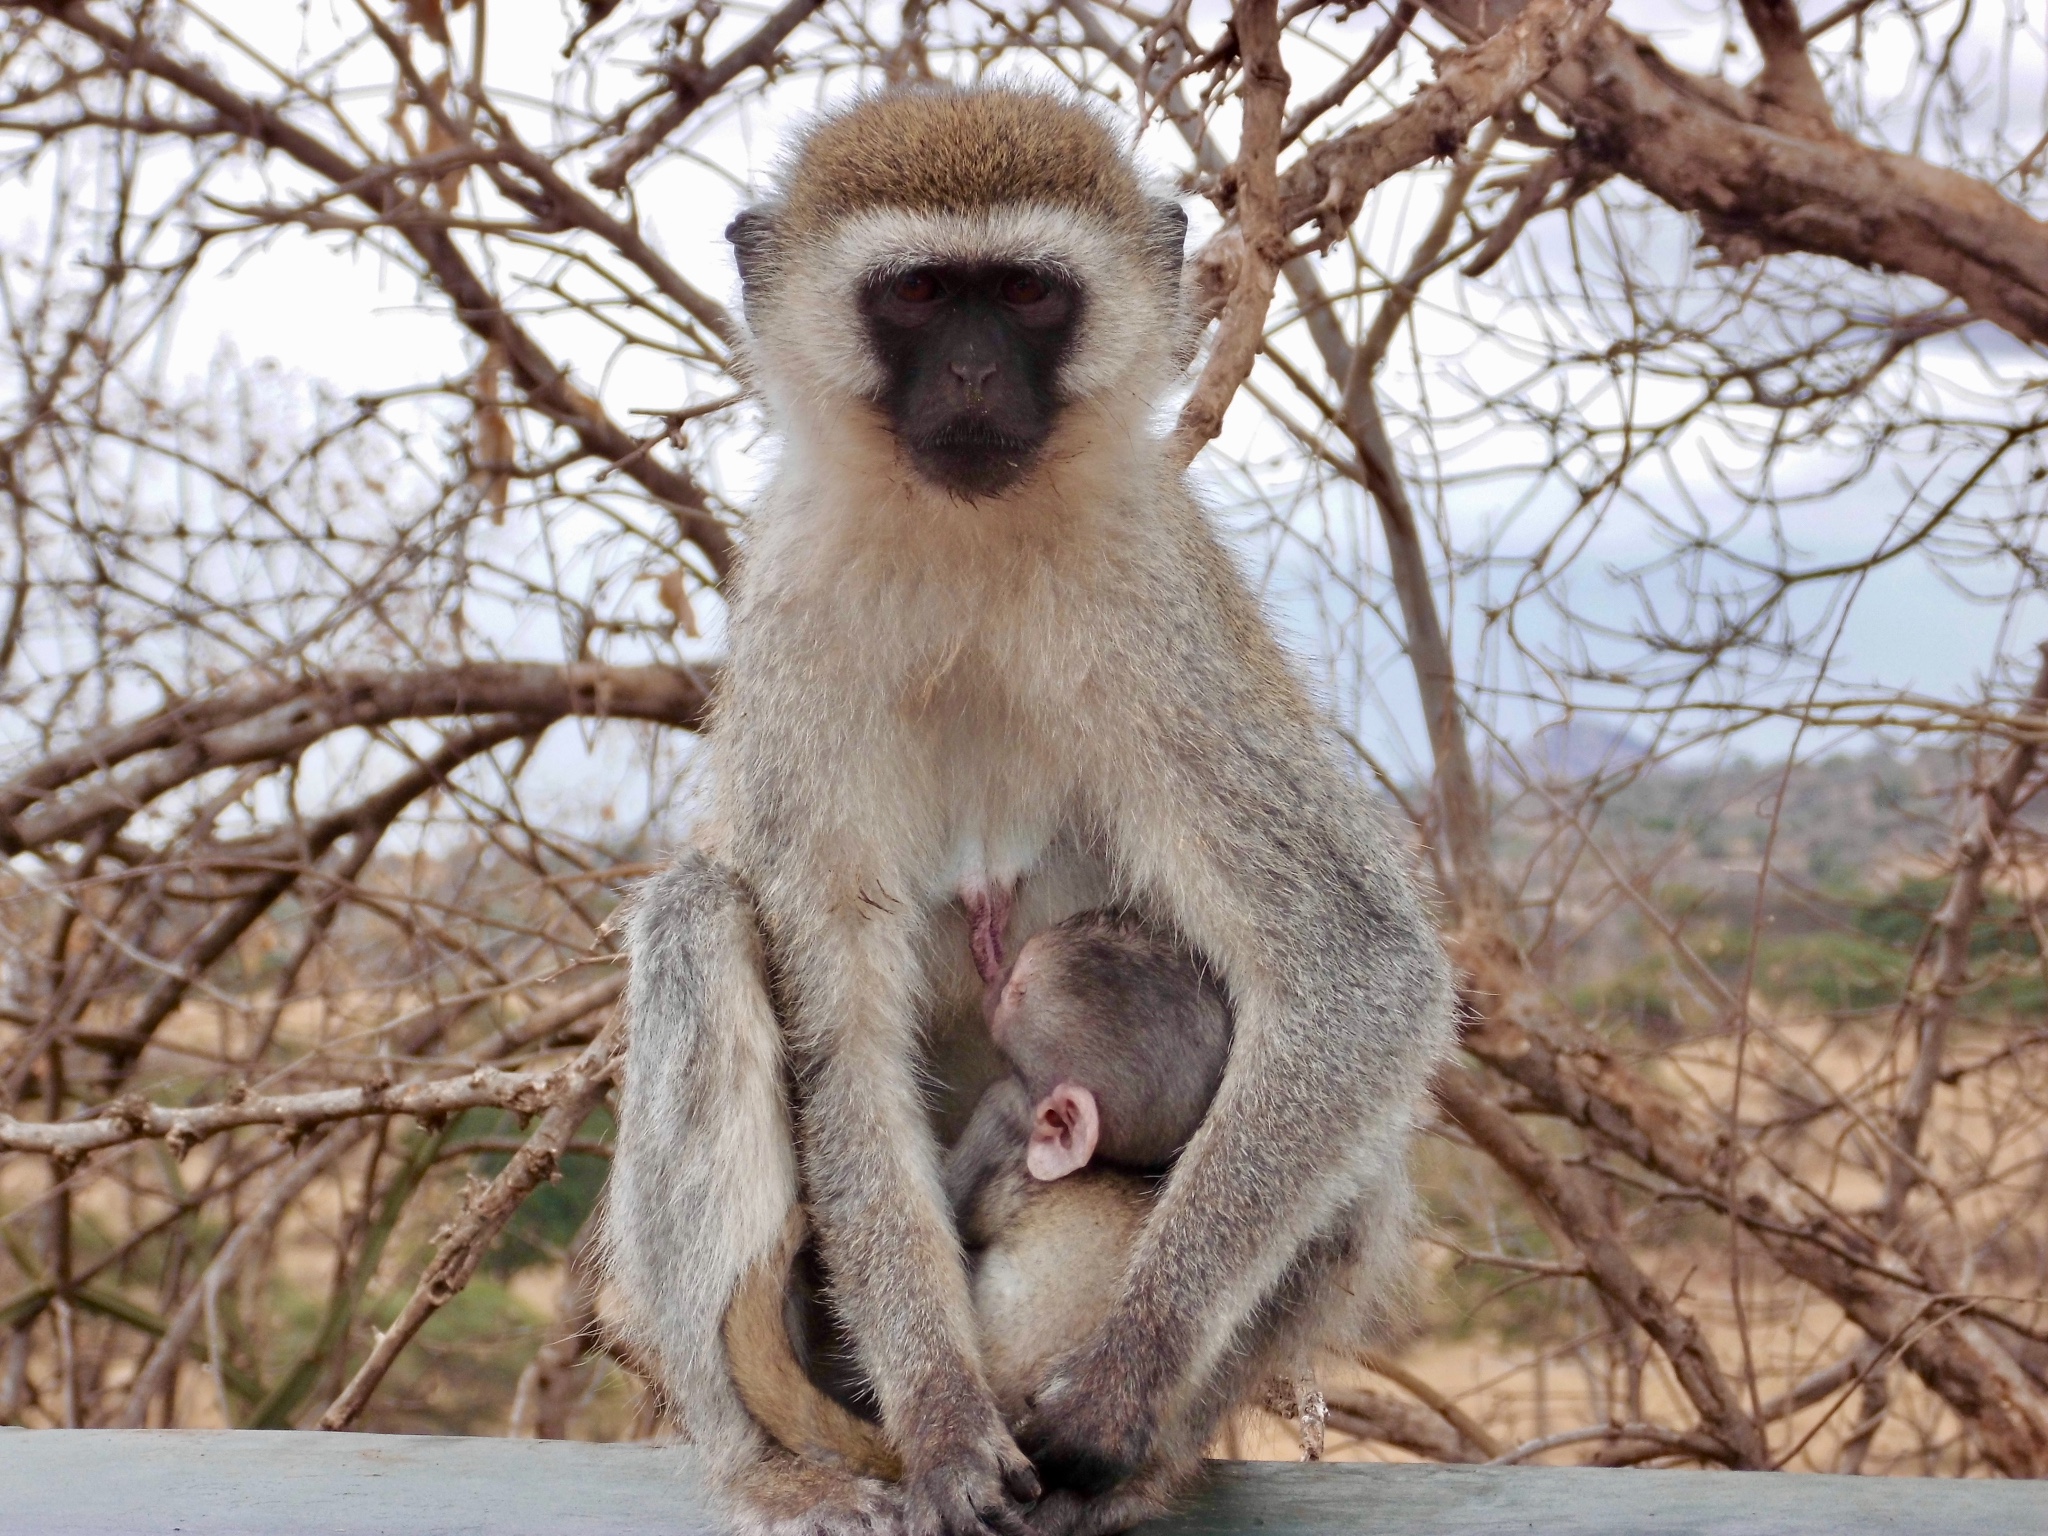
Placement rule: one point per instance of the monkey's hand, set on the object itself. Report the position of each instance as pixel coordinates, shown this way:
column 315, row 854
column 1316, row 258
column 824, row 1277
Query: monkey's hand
column 1093, row 1422
column 967, row 1482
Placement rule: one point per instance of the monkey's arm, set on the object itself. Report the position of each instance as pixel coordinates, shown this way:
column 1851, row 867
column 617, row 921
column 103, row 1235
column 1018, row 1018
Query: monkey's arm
column 1239, row 825
column 993, row 1141
column 872, row 1179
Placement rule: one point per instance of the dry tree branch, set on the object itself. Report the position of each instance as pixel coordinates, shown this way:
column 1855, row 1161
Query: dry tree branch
column 1529, row 201
column 1369, row 1415
column 1608, row 1265
column 1943, row 966
column 1261, row 241
column 691, row 88
column 251, row 1231
column 546, row 383
column 1758, row 186
column 1517, row 1031
column 136, row 1119
column 1626, row 1444
column 1788, row 93
column 1330, row 182
column 1356, row 73
column 1520, row 1033
column 1573, row 1074
column 280, row 863
column 461, row 1247
column 541, row 1402
column 1469, row 1429
column 1328, row 185
column 274, row 721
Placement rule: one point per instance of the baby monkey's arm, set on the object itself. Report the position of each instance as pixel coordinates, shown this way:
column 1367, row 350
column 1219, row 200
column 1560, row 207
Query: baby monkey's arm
column 992, row 1145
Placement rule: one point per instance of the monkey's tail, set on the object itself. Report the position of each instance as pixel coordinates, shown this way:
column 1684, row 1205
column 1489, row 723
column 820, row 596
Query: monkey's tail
column 773, row 1383
column 704, row 1182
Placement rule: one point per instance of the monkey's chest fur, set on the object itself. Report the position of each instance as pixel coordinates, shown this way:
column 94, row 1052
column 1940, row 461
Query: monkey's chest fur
column 960, row 700
column 922, row 711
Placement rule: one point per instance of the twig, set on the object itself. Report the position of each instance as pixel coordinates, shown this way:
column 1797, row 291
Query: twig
column 1609, row 1265
column 1375, row 1416
column 1328, row 185
column 692, row 88
column 1261, row 238
column 462, row 1245
column 253, row 1229
column 1442, row 1406
column 1941, row 969
column 1377, row 52
column 1701, row 1446
column 135, row 1119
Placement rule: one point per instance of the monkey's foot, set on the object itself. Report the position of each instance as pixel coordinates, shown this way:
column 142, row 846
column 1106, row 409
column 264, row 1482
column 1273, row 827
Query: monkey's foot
column 980, row 1489
column 789, row 1496
column 1088, row 1430
column 1064, row 1513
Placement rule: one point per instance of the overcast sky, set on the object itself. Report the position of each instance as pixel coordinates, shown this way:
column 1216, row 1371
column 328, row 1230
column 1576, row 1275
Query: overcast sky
column 325, row 310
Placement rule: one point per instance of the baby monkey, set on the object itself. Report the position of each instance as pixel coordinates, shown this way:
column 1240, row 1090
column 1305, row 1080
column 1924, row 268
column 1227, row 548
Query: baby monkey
column 1116, row 1039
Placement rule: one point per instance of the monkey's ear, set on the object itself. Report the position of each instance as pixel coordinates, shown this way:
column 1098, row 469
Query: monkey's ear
column 752, row 234
column 1064, row 1130
column 1168, row 239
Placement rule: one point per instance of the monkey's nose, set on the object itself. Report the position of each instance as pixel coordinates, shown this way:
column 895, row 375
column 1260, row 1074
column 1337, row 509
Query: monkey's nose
column 974, row 375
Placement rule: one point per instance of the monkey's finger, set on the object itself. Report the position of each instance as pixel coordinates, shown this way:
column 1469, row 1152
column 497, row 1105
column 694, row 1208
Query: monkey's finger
column 1020, row 1481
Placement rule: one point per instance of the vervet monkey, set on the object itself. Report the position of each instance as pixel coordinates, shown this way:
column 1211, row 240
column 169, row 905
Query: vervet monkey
column 991, row 666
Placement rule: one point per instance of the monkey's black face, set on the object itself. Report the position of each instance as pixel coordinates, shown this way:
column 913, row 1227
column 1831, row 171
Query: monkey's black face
column 971, row 357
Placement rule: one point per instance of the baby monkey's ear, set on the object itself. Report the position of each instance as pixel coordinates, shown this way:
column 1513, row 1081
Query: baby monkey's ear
column 1065, row 1126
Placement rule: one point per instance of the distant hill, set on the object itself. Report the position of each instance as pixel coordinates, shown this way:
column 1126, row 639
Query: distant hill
column 1566, row 751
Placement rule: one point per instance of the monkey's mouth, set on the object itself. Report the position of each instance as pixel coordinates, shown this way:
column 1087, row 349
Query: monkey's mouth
column 974, row 457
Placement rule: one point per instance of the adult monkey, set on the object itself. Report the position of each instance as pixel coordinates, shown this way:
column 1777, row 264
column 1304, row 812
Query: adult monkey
column 990, row 666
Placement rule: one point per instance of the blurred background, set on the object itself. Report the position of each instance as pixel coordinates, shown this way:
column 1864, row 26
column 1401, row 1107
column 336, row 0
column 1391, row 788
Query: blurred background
column 1644, row 461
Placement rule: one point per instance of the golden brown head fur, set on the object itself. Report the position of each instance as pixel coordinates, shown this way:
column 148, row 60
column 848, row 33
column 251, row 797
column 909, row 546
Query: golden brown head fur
column 936, row 150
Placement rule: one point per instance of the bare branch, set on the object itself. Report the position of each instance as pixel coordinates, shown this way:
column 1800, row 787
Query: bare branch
column 1262, row 239
column 1740, row 1442
column 254, row 1229
column 1759, row 189
column 276, row 721
column 462, row 1245
column 135, row 1119
column 691, row 88
column 1328, row 185
column 1943, row 966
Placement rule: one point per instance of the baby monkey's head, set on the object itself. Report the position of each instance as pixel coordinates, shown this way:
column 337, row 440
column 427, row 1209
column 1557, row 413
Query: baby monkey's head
column 1120, row 1038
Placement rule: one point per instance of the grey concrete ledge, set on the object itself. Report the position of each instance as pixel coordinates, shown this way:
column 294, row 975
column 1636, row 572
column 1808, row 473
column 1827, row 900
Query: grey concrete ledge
column 153, row 1483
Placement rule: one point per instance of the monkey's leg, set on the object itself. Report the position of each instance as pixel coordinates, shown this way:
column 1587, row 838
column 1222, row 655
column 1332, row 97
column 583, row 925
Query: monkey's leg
column 872, row 1180
column 704, row 1191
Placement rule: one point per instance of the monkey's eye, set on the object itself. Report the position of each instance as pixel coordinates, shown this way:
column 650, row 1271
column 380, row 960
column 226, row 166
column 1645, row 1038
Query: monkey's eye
column 917, row 288
column 1023, row 288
